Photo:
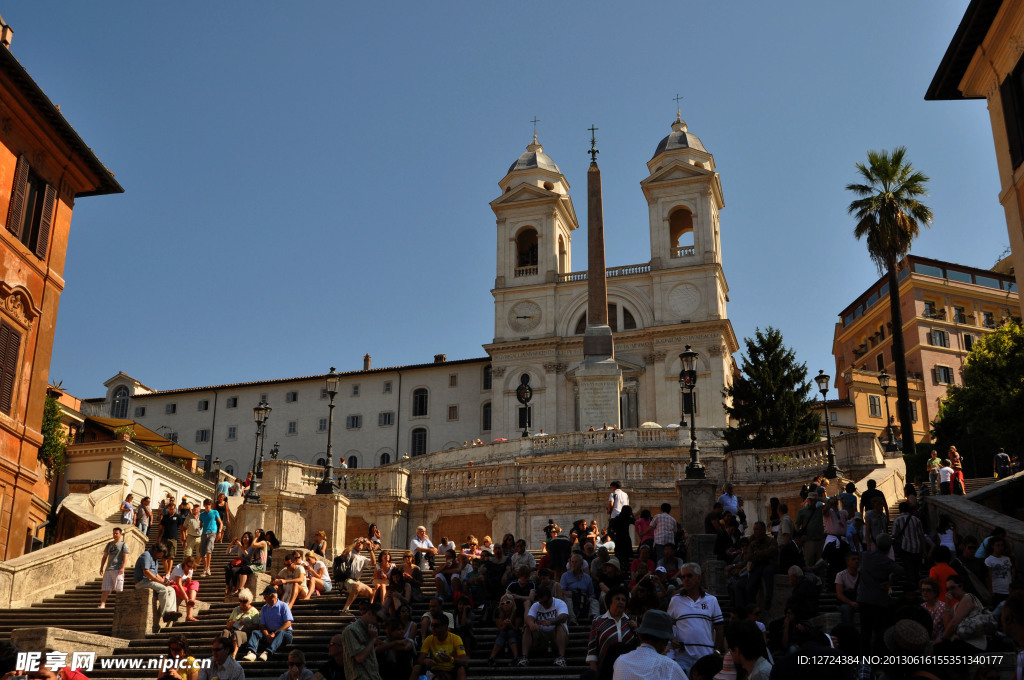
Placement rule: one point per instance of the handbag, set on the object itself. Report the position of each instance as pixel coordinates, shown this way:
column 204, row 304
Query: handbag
column 979, row 623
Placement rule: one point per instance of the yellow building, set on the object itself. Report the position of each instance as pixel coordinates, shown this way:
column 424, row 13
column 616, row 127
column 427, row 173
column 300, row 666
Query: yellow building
column 946, row 307
column 985, row 60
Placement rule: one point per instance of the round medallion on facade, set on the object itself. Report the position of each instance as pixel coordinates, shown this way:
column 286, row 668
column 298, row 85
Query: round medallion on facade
column 684, row 300
column 524, row 316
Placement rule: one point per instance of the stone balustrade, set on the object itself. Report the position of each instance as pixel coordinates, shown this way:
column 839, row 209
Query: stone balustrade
column 611, row 272
column 294, row 477
column 683, row 251
column 855, row 451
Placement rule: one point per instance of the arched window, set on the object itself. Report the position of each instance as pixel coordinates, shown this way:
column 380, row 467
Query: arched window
column 628, row 322
column 230, row 469
column 353, row 462
column 321, row 461
column 526, row 248
column 418, row 445
column 563, row 256
column 119, row 408
column 680, row 230
column 485, row 420
column 487, row 377
column 385, row 458
column 420, row 402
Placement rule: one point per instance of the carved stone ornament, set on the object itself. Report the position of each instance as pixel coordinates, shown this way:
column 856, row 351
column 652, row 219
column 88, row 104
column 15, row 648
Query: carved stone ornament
column 553, row 367
column 18, row 306
column 717, row 350
column 498, row 372
column 655, row 357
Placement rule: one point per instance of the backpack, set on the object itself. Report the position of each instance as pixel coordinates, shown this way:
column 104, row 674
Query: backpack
column 342, row 568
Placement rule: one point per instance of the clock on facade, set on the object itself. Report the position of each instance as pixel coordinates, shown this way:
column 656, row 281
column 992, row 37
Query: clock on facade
column 684, row 300
column 524, row 316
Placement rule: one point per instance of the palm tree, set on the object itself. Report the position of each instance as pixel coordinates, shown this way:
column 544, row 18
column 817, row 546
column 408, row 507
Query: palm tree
column 888, row 215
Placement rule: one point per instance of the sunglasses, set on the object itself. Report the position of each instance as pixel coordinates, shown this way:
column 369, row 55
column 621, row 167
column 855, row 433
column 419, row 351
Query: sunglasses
column 218, row 649
column 295, row 663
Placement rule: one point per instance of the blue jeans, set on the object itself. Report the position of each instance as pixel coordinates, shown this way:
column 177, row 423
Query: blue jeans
column 933, row 480
column 763, row 573
column 255, row 637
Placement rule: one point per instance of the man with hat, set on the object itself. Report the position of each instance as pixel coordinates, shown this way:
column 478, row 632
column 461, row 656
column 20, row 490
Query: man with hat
column 648, row 662
column 359, row 640
column 275, row 628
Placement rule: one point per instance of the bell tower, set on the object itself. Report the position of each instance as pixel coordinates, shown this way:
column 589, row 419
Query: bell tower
column 684, row 196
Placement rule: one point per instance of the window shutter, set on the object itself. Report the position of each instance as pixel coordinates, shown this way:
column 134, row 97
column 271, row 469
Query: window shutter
column 45, row 221
column 10, row 343
column 935, row 376
column 16, row 212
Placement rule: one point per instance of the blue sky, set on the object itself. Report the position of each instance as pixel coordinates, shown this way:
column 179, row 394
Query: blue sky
column 309, row 182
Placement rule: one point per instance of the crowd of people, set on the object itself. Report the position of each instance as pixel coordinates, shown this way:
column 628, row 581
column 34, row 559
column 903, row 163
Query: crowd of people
column 900, row 589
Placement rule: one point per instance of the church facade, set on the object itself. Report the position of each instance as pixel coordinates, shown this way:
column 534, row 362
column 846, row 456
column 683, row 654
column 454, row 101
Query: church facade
column 655, row 309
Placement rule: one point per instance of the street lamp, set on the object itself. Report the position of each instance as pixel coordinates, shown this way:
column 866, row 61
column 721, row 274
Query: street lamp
column 823, row 380
column 327, row 485
column 688, row 381
column 883, row 382
column 260, row 413
column 211, row 474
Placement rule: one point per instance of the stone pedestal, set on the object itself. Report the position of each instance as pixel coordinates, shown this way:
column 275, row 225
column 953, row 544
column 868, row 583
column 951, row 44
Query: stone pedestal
column 256, row 583
column 67, row 641
column 696, row 498
column 136, row 615
column 599, row 382
column 328, row 512
column 248, row 517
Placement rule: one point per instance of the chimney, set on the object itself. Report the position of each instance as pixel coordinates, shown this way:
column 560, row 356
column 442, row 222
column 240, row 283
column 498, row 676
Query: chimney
column 440, row 358
column 366, row 362
column 6, row 34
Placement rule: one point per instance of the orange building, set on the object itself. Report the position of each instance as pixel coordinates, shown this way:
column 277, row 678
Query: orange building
column 44, row 167
column 945, row 308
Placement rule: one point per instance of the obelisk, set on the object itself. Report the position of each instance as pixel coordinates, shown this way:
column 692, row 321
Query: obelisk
column 599, row 379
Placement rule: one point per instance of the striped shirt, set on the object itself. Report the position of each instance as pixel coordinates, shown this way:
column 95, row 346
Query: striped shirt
column 907, row 530
column 664, row 526
column 606, row 631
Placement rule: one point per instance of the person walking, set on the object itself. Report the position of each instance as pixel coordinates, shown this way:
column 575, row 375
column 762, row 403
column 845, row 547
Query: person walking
column 115, row 554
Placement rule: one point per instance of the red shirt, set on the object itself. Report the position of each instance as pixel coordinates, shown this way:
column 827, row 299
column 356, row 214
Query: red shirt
column 940, row 572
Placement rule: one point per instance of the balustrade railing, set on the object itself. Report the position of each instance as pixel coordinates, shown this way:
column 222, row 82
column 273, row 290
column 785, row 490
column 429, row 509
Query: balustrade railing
column 612, row 272
column 526, row 271
column 684, row 251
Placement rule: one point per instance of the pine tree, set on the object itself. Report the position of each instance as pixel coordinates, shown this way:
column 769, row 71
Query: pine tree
column 771, row 402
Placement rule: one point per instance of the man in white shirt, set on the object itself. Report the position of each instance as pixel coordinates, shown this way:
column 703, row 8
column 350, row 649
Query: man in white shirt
column 616, row 500
column 355, row 563
column 423, row 550
column 699, row 624
column 546, row 621
column 648, row 662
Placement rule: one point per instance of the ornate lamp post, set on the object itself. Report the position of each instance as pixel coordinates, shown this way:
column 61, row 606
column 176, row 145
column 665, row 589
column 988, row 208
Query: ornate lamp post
column 214, row 469
column 823, row 380
column 688, row 381
column 523, row 394
column 327, row 485
column 260, row 413
column 883, row 382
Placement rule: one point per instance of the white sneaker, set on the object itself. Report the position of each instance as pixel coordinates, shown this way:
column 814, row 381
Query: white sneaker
column 264, row 656
column 249, row 657
column 560, row 662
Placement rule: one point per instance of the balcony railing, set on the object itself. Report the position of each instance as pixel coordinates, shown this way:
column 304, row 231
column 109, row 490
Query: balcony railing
column 684, row 251
column 526, row 271
column 625, row 270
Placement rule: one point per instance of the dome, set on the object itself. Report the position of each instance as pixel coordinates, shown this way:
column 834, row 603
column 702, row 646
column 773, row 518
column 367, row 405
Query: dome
column 535, row 158
column 679, row 139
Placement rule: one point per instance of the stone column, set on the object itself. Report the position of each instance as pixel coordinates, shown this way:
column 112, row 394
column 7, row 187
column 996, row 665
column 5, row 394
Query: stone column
column 696, row 497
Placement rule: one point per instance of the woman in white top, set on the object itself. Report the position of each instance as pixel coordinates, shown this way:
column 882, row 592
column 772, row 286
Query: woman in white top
column 945, row 474
column 184, row 587
column 318, row 576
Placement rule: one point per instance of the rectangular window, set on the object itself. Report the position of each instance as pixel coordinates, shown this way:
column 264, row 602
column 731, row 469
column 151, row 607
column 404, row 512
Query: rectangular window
column 202, row 436
column 943, row 375
column 453, row 380
column 353, row 422
column 989, row 319
column 913, row 411
column 173, row 436
column 453, row 412
column 204, row 404
column 232, row 402
column 485, row 425
column 263, row 397
column 355, row 390
column 232, row 433
column 487, row 377
column 880, row 361
column 171, row 409
column 874, row 406
column 418, row 441
column 525, row 416
column 293, row 427
column 30, row 214
column 322, row 426
column 387, row 387
column 385, row 418
column 929, row 309
column 939, row 338
column 323, row 393
column 140, row 411
column 10, row 348
column 289, row 397
column 834, row 417
column 960, row 314
column 968, row 342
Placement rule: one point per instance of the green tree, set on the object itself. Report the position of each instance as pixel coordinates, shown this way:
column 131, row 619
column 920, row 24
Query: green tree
column 984, row 413
column 888, row 216
column 51, row 453
column 771, row 402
